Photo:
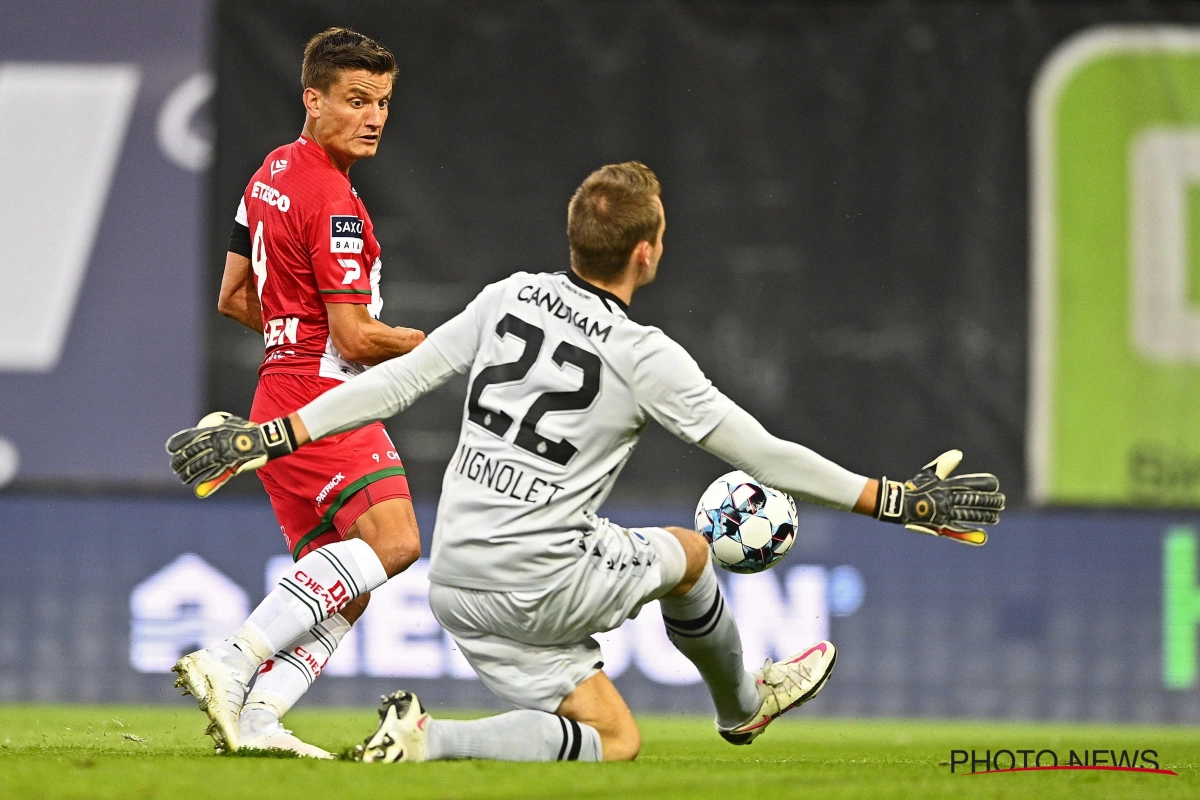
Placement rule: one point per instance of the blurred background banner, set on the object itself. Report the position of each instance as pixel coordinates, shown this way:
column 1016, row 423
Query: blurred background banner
column 894, row 228
column 106, row 141
column 1115, row 373
column 1064, row 616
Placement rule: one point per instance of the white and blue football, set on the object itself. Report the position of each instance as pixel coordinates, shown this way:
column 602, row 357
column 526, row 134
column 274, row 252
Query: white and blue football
column 749, row 527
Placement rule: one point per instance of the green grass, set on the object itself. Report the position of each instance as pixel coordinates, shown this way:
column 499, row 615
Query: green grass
column 159, row 752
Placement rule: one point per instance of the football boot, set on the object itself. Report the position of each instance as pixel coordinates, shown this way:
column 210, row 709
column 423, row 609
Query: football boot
column 214, row 678
column 783, row 686
column 402, row 734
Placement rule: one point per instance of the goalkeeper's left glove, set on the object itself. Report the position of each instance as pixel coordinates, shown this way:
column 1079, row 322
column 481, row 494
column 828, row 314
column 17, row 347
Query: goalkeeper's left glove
column 932, row 502
column 222, row 445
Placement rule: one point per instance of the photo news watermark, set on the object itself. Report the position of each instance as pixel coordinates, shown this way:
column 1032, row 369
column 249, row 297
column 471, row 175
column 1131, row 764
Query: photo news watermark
column 984, row 762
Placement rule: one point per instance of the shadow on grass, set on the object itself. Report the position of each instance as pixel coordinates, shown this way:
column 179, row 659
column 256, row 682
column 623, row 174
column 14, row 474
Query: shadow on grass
column 247, row 752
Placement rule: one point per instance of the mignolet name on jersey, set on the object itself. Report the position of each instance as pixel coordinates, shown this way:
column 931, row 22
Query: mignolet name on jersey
column 562, row 383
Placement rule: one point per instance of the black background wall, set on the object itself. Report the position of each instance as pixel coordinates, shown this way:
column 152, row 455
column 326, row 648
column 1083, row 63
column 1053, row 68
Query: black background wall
column 845, row 185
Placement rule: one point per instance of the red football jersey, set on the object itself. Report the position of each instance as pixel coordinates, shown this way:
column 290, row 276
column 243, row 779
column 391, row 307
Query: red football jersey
column 311, row 243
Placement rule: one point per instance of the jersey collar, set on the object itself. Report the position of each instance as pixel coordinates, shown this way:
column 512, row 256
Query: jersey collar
column 605, row 296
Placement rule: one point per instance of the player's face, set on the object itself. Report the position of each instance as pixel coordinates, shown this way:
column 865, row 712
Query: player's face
column 650, row 270
column 350, row 116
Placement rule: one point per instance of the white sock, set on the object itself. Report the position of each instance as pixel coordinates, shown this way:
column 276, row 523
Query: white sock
column 315, row 588
column 516, row 736
column 285, row 677
column 701, row 627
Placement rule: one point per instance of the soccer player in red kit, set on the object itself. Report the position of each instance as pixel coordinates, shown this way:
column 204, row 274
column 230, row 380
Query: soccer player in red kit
column 303, row 269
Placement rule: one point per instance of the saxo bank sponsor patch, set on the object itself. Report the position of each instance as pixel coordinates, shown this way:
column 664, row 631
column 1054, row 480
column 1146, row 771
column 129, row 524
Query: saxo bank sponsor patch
column 345, row 234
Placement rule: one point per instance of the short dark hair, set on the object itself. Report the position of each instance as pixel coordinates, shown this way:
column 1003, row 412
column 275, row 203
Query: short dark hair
column 337, row 49
column 611, row 212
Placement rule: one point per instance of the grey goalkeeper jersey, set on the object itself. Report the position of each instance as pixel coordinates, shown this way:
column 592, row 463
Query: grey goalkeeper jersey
column 562, row 383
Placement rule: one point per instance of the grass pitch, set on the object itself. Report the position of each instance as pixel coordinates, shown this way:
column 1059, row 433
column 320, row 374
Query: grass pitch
column 159, row 752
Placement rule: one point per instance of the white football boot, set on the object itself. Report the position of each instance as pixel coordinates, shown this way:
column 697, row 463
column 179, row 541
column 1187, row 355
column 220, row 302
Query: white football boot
column 280, row 738
column 401, row 735
column 212, row 677
column 783, row 686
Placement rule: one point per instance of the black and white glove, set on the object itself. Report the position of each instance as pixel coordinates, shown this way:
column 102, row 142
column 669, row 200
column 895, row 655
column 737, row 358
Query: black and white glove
column 222, row 445
column 934, row 503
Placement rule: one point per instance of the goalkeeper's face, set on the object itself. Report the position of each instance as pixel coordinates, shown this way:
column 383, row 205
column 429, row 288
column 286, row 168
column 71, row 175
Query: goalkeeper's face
column 348, row 119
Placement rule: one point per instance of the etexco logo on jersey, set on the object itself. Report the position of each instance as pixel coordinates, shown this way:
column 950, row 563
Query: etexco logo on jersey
column 271, row 196
column 991, row 762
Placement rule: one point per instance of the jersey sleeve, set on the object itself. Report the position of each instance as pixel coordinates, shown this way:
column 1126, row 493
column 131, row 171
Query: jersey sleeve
column 741, row 441
column 378, row 393
column 335, row 244
column 458, row 339
column 670, row 386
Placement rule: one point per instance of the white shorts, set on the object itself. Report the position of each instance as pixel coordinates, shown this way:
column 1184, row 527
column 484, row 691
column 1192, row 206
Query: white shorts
column 533, row 648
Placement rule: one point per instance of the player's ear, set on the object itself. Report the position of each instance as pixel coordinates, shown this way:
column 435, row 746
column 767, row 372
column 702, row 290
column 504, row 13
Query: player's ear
column 641, row 253
column 312, row 102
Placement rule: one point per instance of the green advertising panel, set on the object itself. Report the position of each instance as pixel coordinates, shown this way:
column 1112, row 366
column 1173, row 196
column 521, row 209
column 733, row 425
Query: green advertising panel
column 1115, row 360
column 1181, row 608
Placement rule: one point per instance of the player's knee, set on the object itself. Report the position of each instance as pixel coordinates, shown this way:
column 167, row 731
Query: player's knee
column 623, row 744
column 405, row 547
column 408, row 548
column 395, row 552
column 391, row 531
column 398, row 552
column 695, row 551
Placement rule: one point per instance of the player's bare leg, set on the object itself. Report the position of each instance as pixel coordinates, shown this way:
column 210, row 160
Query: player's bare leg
column 391, row 529
column 701, row 627
column 598, row 704
column 383, row 541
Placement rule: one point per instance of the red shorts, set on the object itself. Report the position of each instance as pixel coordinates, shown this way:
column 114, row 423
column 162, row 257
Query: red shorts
column 320, row 491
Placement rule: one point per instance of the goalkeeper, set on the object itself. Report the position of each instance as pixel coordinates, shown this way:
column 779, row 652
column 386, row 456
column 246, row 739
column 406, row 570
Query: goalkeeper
column 562, row 383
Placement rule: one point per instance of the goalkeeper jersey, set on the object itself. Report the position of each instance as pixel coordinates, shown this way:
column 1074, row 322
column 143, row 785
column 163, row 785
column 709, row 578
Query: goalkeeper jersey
column 562, row 383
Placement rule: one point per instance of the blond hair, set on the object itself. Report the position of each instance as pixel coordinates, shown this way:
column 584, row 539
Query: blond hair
column 610, row 213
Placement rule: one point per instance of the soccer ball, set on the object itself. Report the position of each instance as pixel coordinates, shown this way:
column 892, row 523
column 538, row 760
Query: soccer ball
column 749, row 527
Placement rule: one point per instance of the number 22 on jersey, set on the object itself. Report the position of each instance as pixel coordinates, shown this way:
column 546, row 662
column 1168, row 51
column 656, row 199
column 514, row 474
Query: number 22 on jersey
column 499, row 423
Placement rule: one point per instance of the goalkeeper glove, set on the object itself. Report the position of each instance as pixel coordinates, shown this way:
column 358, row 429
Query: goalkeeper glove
column 222, row 445
column 934, row 503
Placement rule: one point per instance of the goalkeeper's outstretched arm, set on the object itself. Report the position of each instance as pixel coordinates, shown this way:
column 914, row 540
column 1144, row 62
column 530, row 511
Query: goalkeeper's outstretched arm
column 931, row 502
column 739, row 439
column 378, row 393
column 222, row 445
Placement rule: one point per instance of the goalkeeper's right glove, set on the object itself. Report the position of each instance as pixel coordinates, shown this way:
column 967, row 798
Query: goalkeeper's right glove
column 932, row 502
column 222, row 445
